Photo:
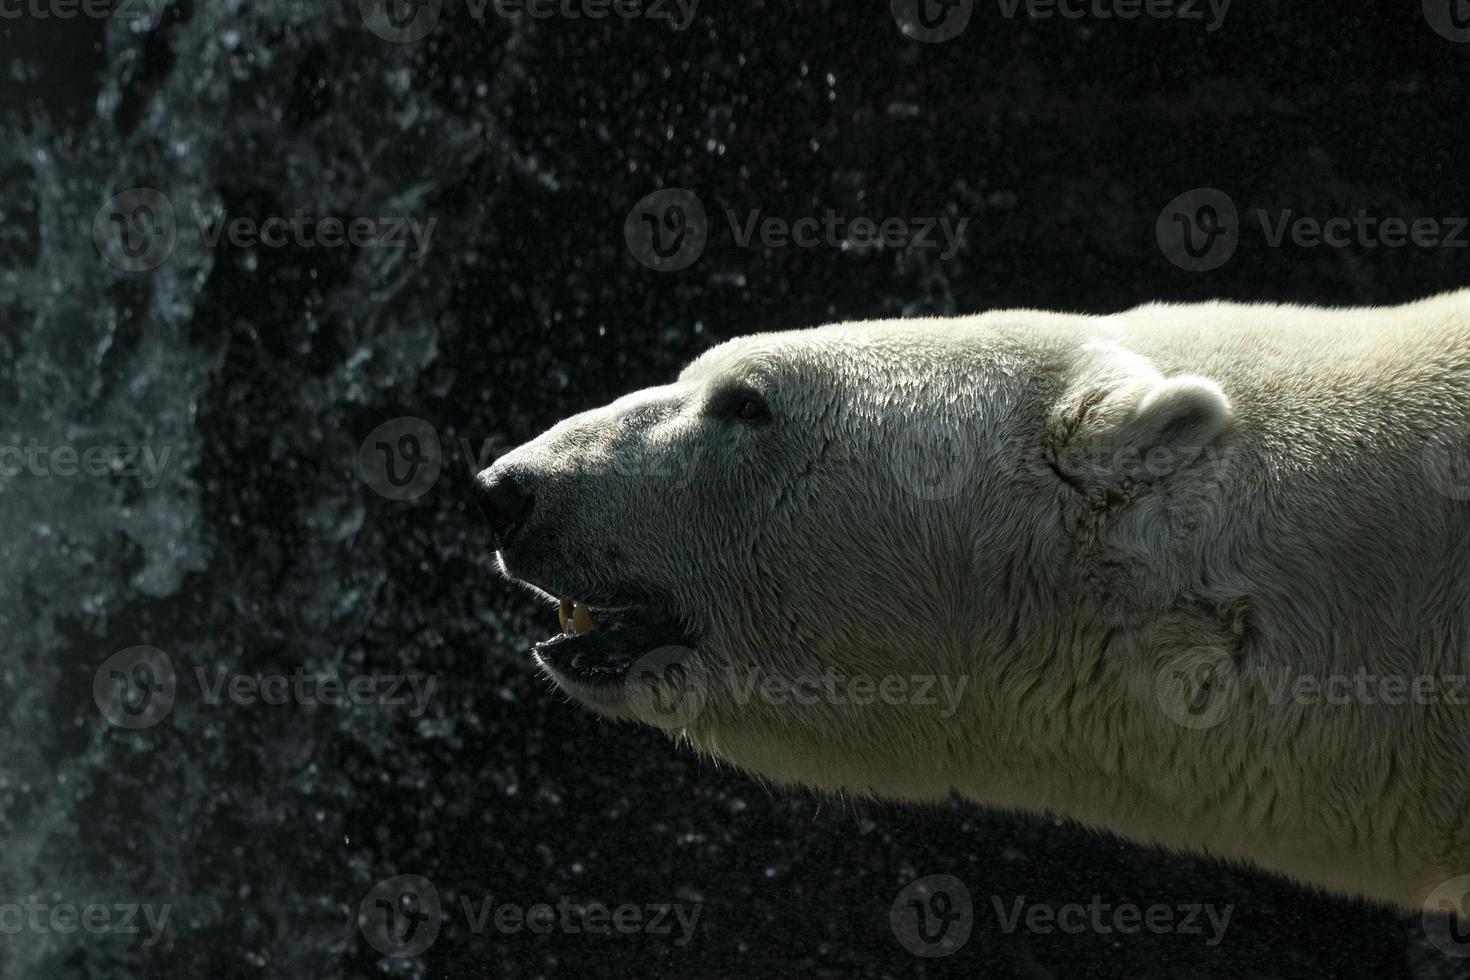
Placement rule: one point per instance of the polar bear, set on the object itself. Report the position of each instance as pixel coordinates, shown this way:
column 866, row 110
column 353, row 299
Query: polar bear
column 1198, row 575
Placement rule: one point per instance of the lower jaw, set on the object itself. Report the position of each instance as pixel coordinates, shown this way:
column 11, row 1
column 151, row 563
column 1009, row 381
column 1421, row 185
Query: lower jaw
column 606, row 656
column 662, row 689
column 608, row 700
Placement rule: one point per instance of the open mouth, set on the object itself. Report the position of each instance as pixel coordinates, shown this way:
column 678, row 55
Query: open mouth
column 598, row 646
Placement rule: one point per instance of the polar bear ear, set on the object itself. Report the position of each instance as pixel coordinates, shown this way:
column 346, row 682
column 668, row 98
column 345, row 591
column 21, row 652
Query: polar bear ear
column 1123, row 421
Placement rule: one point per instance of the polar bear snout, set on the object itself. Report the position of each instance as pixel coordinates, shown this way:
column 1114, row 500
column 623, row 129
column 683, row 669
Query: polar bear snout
column 505, row 500
column 581, row 516
column 539, row 528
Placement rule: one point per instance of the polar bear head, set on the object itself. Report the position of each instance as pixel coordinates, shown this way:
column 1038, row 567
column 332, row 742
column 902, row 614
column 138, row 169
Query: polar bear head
column 824, row 555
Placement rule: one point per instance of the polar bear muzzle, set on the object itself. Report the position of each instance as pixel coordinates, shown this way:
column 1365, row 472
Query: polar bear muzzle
column 574, row 529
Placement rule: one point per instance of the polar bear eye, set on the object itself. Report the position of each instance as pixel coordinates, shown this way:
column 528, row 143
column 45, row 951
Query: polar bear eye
column 751, row 408
column 741, row 404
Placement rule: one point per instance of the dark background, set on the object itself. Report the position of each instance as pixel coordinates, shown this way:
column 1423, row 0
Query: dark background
column 262, row 370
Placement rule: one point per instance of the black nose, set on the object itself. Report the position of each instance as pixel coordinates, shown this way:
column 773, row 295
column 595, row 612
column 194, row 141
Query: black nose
column 505, row 502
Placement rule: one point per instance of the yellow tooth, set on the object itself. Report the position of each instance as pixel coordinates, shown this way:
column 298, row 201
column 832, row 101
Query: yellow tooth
column 582, row 621
column 565, row 613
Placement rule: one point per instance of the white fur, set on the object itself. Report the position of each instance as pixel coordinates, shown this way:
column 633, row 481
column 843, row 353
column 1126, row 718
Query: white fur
column 1290, row 522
